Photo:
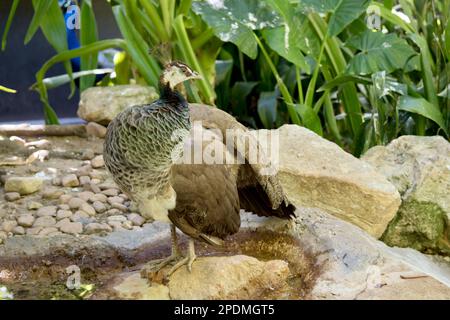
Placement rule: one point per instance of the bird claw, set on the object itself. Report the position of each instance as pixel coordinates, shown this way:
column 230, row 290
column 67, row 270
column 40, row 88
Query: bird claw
column 151, row 270
column 188, row 261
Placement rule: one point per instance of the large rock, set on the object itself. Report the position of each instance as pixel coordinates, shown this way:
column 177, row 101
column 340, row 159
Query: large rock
column 317, row 173
column 102, row 104
column 420, row 169
column 23, row 185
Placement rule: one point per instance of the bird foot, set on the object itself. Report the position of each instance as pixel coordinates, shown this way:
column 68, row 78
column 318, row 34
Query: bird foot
column 153, row 269
column 188, row 261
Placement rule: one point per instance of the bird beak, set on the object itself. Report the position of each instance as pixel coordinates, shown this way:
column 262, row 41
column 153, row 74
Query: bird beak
column 196, row 75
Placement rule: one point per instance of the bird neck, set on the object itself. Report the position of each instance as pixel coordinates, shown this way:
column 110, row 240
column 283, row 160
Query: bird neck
column 172, row 96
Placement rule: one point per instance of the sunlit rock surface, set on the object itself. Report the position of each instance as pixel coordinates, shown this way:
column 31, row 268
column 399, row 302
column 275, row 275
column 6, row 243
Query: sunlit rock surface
column 420, row 169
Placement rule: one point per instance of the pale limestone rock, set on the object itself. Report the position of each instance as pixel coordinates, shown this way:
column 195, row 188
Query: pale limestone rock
column 315, row 172
column 420, row 169
column 94, row 129
column 102, row 104
column 25, row 220
column 70, row 180
column 23, row 185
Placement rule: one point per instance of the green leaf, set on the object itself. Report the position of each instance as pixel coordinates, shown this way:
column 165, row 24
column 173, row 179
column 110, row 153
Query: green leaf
column 88, row 34
column 41, row 8
column 234, row 21
column 11, row 15
column 223, row 69
column 339, row 80
column 267, row 108
column 447, row 40
column 137, row 48
column 56, row 81
column 385, row 85
column 5, row 89
column 286, row 40
column 310, row 119
column 424, row 108
column 239, row 94
column 378, row 52
column 343, row 12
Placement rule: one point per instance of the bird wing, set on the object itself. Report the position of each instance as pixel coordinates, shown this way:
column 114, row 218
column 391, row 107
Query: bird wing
column 207, row 205
column 260, row 192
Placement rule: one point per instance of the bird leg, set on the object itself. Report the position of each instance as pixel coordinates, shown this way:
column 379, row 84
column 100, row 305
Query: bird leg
column 188, row 260
column 153, row 267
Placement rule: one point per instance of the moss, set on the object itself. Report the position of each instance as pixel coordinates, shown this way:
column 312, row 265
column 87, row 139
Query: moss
column 419, row 225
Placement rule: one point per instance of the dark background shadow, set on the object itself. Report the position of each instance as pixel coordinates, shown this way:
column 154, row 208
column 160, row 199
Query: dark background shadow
column 19, row 64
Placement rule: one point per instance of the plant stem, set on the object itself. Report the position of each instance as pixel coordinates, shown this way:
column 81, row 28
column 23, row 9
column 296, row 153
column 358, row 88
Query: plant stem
column 299, row 85
column 283, row 89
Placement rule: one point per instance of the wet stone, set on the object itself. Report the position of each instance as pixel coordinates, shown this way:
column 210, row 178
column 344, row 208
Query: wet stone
column 115, row 199
column 52, row 194
column 65, row 198
column 45, row 221
column 88, row 209
column 99, row 197
column 62, row 214
column 87, row 154
column 8, row 225
column 19, row 230
column 97, row 162
column 85, row 195
column 76, row 203
column 84, row 180
column 47, row 231
column 119, row 206
column 94, row 227
column 84, row 171
column 136, row 219
column 99, row 207
column 72, row 228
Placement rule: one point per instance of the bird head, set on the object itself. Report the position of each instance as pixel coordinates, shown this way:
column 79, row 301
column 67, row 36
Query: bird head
column 177, row 72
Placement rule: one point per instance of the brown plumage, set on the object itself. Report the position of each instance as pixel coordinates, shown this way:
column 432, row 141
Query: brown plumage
column 201, row 200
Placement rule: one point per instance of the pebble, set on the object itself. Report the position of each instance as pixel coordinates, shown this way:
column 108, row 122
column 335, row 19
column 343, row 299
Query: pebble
column 117, row 218
column 95, row 174
column 99, row 197
column 95, row 130
column 46, row 221
column 12, row 196
column 18, row 230
column 76, row 203
column 34, row 205
column 95, row 227
column 117, row 225
column 88, row 209
column 115, row 199
column 25, row 220
column 65, row 198
column 56, row 181
column 3, row 236
column 9, row 225
column 62, row 214
column 47, row 211
column 85, row 195
column 34, row 231
column 23, row 185
column 47, row 231
column 84, row 180
column 99, row 207
column 110, row 192
column 84, row 171
column 79, row 215
column 62, row 222
column 52, row 193
column 113, row 212
column 97, row 162
column 95, row 181
column 70, row 180
column 124, row 196
column 63, row 206
column 127, row 225
column 136, row 219
column 108, row 185
column 94, row 187
column 72, row 228
column 119, row 206
column 87, row 154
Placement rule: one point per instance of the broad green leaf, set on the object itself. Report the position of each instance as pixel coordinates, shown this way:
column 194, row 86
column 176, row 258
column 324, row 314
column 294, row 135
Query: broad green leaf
column 343, row 12
column 310, row 119
column 234, row 21
column 267, row 108
column 378, row 52
column 424, row 108
column 88, row 34
column 223, row 69
column 40, row 10
column 5, row 89
column 11, row 15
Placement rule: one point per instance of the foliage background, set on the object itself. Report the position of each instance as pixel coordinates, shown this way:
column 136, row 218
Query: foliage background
column 329, row 65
